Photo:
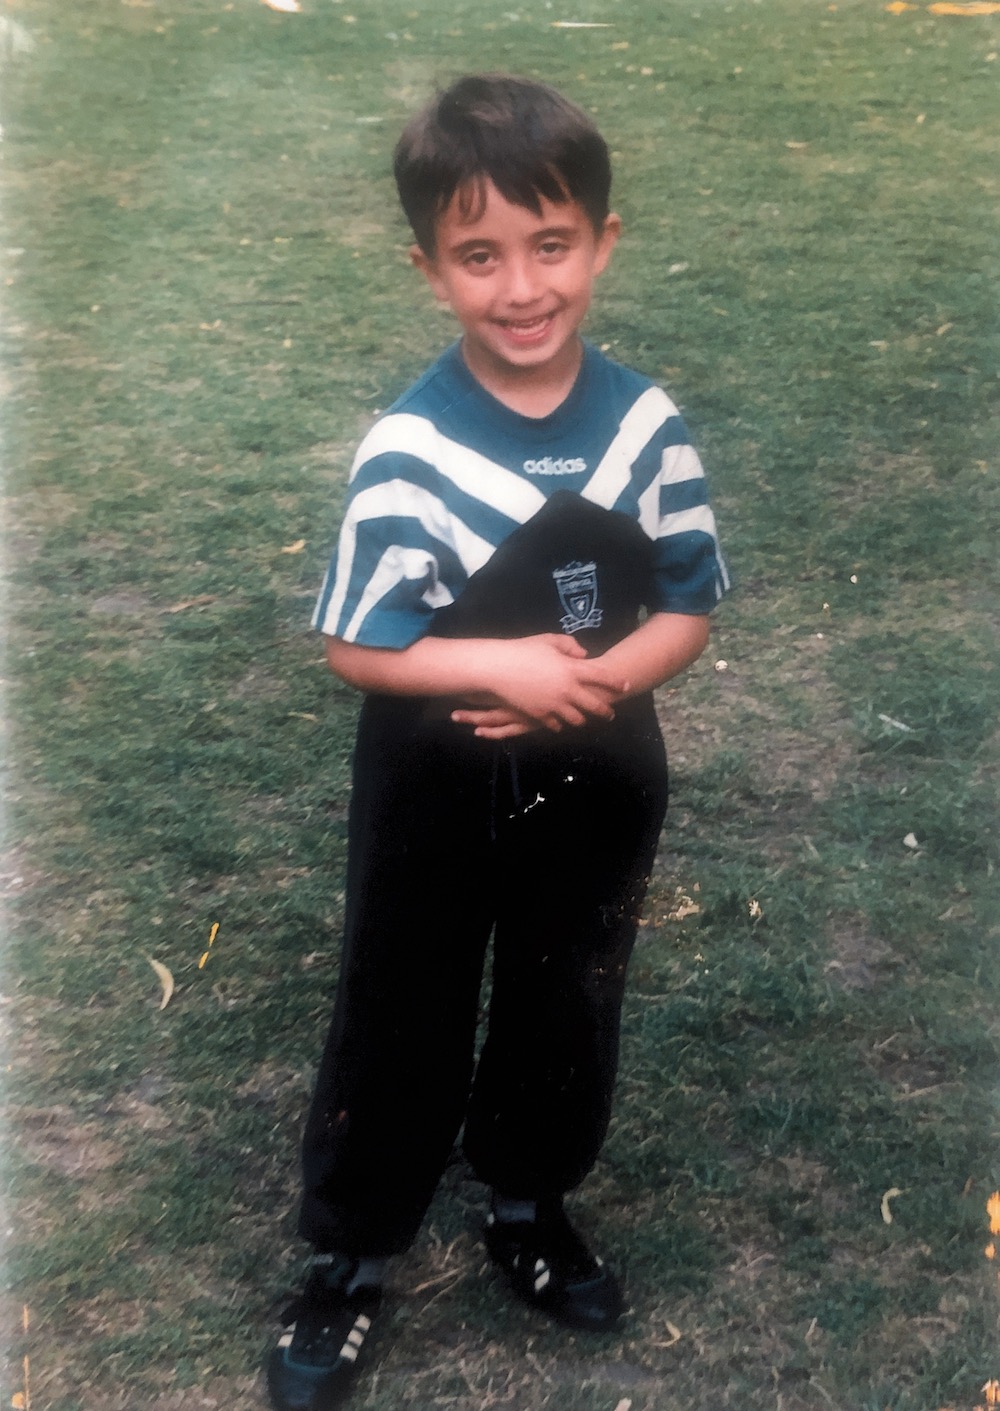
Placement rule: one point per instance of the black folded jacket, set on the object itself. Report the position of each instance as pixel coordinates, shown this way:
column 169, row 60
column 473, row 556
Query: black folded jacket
column 573, row 568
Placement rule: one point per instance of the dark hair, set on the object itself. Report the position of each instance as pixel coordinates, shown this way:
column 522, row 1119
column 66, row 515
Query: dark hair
column 524, row 137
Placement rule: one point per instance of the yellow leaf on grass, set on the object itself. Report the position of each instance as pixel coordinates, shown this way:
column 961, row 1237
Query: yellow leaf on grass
column 898, row 6
column 889, row 1195
column 980, row 7
column 288, row 7
column 295, row 548
column 993, row 1211
column 165, row 978
column 17, row 1401
column 199, row 602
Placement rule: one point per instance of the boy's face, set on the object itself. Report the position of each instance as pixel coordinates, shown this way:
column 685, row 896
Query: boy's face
column 519, row 283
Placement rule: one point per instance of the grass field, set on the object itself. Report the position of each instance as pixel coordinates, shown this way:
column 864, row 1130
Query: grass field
column 207, row 300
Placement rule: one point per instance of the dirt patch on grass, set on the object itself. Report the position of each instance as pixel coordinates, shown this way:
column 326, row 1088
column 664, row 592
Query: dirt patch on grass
column 121, row 604
column 219, row 1394
column 273, row 1084
column 859, row 959
column 51, row 1138
column 753, row 707
column 878, row 475
column 259, row 685
column 911, row 1075
column 17, row 873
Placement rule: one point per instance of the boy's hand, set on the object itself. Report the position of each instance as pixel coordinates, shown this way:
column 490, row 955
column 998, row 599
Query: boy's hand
column 496, row 722
column 549, row 680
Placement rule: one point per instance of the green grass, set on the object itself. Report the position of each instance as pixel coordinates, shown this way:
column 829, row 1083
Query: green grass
column 207, row 299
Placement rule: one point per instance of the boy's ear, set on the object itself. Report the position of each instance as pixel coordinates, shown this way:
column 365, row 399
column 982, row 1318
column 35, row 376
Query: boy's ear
column 606, row 241
column 427, row 266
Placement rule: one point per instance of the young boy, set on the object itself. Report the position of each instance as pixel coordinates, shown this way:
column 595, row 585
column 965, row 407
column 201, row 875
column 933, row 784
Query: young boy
column 527, row 550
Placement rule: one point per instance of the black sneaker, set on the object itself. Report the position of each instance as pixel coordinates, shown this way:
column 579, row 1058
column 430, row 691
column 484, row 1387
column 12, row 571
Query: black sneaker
column 549, row 1267
column 313, row 1366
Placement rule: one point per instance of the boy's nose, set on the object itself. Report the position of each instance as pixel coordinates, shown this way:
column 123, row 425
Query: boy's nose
column 522, row 282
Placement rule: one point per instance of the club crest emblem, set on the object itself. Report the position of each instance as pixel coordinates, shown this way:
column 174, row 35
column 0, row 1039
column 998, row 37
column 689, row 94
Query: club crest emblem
column 577, row 584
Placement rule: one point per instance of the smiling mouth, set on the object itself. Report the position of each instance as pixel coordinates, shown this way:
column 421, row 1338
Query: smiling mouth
column 526, row 327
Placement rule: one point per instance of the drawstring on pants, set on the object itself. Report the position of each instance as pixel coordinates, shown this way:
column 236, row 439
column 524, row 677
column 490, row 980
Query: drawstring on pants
column 503, row 749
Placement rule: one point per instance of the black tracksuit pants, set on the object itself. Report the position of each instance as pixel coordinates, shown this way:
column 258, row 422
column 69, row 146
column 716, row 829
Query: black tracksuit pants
column 545, row 841
column 451, row 837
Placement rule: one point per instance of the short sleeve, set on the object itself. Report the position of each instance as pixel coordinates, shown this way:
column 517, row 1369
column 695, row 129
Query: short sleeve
column 690, row 573
column 393, row 565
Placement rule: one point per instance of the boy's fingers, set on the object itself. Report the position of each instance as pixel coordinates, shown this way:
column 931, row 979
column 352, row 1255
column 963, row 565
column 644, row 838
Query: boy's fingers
column 569, row 646
column 503, row 732
column 596, row 683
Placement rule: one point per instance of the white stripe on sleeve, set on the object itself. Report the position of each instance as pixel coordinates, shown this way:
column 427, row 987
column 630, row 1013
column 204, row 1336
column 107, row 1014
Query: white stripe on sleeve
column 395, row 565
column 699, row 517
column 397, row 499
column 476, row 475
column 646, row 414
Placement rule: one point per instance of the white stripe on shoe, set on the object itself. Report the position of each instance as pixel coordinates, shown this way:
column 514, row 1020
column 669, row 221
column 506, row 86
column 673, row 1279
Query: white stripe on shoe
column 356, row 1338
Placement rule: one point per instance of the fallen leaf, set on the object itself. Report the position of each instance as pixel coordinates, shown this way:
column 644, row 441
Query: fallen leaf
column 624, row 1405
column 303, row 715
column 165, row 978
column 889, row 1195
column 288, row 7
column 17, row 1401
column 200, row 602
column 211, row 938
column 682, row 908
column 993, row 1211
column 896, row 724
column 797, row 146
column 898, row 6
column 976, row 7
column 943, row 329
column 295, row 548
column 910, row 841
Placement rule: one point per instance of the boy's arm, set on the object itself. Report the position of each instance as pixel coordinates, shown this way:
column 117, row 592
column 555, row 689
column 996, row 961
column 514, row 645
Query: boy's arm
column 546, row 680
column 663, row 646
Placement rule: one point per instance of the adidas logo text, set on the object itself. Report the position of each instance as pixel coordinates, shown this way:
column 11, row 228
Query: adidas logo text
column 547, row 466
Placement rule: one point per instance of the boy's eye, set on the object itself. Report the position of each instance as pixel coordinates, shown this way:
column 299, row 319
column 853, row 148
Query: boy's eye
column 552, row 249
column 479, row 259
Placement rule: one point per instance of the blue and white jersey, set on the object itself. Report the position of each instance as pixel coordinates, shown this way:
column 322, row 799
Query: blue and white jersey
column 448, row 472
